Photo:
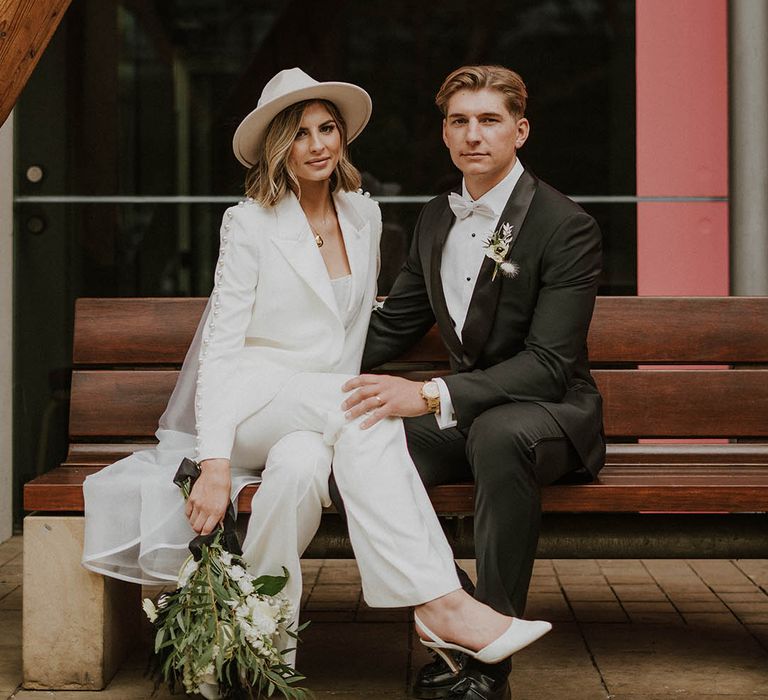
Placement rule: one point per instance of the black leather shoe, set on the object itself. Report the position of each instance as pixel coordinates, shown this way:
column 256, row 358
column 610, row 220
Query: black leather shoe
column 478, row 686
column 435, row 680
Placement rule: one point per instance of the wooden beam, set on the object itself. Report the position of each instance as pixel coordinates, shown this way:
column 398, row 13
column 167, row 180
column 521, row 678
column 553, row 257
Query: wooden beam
column 26, row 27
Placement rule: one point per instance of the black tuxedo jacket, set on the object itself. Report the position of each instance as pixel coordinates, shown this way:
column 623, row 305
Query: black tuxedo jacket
column 524, row 338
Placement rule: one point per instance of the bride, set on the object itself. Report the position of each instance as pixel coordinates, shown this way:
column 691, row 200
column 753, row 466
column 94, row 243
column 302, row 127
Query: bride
column 259, row 397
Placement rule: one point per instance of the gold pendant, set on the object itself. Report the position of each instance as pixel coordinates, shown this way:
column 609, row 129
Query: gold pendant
column 319, row 240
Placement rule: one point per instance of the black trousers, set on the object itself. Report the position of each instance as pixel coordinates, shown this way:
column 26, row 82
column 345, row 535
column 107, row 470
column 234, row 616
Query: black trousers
column 510, row 452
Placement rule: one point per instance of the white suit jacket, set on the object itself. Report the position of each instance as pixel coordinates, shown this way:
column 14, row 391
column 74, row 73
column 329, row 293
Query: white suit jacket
column 273, row 313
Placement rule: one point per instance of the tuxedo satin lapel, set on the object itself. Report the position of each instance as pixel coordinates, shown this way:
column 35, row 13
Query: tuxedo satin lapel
column 444, row 323
column 481, row 313
column 295, row 241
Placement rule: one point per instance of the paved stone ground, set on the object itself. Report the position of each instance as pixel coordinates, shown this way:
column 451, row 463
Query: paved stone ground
column 623, row 629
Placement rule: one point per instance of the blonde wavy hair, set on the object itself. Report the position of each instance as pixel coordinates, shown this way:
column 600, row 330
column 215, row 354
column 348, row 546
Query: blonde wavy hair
column 270, row 178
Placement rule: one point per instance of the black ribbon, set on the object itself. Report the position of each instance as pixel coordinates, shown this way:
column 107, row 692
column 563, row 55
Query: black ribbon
column 188, row 472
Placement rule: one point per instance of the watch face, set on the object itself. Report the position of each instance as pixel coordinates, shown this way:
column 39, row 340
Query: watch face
column 431, row 391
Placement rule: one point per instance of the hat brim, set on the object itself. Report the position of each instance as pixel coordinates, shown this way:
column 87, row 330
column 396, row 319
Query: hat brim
column 352, row 101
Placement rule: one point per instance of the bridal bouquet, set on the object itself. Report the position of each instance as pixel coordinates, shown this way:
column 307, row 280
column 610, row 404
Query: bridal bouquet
column 217, row 633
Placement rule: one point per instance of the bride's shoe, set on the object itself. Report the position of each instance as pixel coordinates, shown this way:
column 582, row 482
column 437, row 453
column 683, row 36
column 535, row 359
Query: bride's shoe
column 519, row 634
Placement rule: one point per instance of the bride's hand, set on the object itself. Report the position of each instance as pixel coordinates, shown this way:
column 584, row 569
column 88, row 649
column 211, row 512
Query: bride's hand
column 381, row 396
column 209, row 498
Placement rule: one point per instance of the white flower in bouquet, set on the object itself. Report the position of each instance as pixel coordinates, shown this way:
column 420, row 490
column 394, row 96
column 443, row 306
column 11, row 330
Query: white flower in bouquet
column 287, row 609
column 149, row 608
column 257, row 619
column 246, row 585
column 263, row 616
column 236, row 572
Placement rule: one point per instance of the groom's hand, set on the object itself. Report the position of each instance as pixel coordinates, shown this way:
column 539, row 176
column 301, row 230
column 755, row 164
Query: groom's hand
column 382, row 396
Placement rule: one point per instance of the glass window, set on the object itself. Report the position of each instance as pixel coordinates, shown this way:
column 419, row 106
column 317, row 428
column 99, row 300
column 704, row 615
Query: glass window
column 140, row 99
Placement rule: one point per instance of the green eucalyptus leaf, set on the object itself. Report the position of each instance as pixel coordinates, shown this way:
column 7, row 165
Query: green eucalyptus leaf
column 270, row 585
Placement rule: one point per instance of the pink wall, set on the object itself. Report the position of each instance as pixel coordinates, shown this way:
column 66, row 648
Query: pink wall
column 682, row 146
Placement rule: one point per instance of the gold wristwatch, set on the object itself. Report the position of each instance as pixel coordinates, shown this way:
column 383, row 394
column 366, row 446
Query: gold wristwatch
column 431, row 394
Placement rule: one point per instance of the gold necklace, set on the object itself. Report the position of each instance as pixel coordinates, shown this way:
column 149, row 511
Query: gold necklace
column 318, row 238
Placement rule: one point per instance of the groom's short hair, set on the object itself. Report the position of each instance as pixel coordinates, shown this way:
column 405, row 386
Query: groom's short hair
column 498, row 78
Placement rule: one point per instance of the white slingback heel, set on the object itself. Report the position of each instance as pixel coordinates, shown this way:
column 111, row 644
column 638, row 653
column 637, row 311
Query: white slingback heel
column 518, row 635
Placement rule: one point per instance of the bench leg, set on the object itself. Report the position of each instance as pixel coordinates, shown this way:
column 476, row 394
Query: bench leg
column 77, row 625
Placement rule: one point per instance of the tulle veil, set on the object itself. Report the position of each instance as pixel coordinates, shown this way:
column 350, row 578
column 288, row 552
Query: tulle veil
column 135, row 526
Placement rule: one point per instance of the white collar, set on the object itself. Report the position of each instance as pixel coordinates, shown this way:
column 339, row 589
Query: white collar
column 496, row 198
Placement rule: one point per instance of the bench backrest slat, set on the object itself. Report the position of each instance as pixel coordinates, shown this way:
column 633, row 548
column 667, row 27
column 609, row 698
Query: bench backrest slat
column 134, row 331
column 645, row 330
column 118, row 403
column 679, row 330
column 651, row 403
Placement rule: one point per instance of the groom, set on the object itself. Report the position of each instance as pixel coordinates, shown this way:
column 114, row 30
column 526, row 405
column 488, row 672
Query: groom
column 520, row 409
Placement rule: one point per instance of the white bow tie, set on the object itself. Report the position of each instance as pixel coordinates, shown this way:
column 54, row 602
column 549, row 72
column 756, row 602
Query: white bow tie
column 463, row 207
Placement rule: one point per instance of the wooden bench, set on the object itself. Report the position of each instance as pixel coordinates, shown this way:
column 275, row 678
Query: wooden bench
column 707, row 498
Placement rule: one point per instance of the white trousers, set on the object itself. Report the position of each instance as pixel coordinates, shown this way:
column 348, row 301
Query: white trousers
column 401, row 551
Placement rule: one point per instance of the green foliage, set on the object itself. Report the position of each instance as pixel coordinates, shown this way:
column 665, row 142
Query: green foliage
column 210, row 631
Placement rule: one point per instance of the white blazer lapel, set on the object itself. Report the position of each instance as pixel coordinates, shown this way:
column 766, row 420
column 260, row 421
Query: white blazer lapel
column 357, row 239
column 295, row 241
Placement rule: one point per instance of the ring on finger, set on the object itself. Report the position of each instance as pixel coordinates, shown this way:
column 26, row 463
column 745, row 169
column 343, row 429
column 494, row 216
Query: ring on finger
column 378, row 399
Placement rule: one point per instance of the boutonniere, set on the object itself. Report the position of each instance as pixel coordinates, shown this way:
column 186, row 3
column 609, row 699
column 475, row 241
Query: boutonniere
column 497, row 249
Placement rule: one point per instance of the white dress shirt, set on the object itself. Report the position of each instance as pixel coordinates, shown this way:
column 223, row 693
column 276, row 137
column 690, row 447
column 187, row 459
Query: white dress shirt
column 463, row 254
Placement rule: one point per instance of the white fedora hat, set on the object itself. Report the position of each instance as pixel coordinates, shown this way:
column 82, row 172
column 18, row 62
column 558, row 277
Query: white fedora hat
column 289, row 87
